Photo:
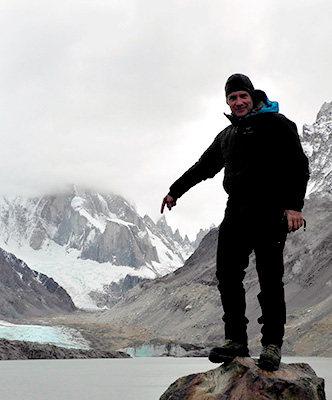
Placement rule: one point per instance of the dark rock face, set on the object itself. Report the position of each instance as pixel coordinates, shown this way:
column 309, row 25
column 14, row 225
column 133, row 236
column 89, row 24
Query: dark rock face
column 242, row 379
column 27, row 293
column 20, row 350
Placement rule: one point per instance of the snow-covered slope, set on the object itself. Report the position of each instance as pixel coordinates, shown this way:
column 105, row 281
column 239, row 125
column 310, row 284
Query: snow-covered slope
column 317, row 143
column 85, row 241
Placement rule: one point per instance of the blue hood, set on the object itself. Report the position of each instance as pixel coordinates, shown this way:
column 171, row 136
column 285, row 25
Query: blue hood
column 268, row 106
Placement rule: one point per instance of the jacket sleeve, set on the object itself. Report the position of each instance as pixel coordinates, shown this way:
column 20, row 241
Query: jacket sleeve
column 296, row 166
column 209, row 164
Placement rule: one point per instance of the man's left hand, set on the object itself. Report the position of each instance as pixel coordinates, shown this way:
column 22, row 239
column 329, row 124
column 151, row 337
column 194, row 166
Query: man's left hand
column 295, row 220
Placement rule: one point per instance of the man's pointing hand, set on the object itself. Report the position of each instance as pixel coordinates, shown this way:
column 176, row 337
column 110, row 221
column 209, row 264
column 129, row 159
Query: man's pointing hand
column 169, row 201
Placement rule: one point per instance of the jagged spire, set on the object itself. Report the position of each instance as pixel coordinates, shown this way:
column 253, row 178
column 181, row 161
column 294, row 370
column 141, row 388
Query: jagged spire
column 317, row 144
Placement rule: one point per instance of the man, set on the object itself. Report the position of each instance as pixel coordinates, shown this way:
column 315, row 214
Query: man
column 266, row 174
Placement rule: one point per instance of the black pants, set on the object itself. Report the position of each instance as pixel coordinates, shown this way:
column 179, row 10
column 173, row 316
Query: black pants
column 241, row 233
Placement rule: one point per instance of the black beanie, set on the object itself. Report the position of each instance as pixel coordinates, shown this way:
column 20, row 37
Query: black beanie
column 238, row 82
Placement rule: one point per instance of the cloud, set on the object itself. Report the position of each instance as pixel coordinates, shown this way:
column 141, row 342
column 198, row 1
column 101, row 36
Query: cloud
column 125, row 96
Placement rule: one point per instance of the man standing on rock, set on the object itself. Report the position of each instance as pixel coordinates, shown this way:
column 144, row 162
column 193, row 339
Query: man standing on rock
column 266, row 174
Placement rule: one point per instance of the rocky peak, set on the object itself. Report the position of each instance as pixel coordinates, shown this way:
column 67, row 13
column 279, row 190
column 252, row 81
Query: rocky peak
column 178, row 237
column 183, row 248
column 317, row 144
column 164, row 227
column 201, row 234
column 325, row 112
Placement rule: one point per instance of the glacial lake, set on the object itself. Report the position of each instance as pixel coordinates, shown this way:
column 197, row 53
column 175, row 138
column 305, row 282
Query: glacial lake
column 113, row 379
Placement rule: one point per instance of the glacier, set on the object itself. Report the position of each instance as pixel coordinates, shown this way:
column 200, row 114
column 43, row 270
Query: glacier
column 54, row 335
column 79, row 277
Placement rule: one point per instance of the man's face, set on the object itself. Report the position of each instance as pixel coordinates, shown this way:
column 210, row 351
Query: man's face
column 240, row 103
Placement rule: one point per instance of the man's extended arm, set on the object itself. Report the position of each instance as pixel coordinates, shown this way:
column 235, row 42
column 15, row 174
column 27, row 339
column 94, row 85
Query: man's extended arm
column 209, row 164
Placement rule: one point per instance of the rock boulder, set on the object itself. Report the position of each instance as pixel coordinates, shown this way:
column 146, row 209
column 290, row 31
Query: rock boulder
column 243, row 379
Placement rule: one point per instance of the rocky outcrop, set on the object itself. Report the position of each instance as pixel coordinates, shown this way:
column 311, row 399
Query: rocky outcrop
column 21, row 350
column 242, row 379
column 27, row 293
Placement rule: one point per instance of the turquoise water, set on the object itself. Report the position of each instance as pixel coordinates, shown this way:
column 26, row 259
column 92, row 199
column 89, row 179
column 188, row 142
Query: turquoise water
column 112, row 379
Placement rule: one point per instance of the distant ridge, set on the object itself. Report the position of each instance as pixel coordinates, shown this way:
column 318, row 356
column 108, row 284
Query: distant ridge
column 90, row 243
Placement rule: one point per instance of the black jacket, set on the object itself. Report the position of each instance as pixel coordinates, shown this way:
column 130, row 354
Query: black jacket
column 264, row 164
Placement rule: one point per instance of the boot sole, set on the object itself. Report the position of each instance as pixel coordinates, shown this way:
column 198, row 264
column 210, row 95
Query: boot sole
column 218, row 358
column 268, row 365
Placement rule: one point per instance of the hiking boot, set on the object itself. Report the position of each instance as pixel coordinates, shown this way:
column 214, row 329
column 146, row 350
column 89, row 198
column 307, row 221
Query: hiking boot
column 228, row 351
column 270, row 357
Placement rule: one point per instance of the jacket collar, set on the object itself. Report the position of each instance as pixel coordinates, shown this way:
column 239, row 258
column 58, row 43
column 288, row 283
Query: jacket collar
column 264, row 105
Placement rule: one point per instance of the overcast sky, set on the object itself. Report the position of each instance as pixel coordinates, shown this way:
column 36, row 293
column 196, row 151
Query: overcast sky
column 125, row 95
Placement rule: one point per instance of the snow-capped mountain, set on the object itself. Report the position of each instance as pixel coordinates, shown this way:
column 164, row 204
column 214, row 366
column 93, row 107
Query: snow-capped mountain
column 86, row 241
column 317, row 143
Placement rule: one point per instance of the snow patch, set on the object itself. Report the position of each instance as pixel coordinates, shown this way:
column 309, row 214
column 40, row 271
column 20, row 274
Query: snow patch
column 120, row 221
column 20, row 275
column 77, row 203
column 308, row 149
column 142, row 234
column 98, row 222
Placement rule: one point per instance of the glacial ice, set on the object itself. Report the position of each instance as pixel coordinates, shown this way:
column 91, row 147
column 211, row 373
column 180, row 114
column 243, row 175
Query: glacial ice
column 55, row 335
